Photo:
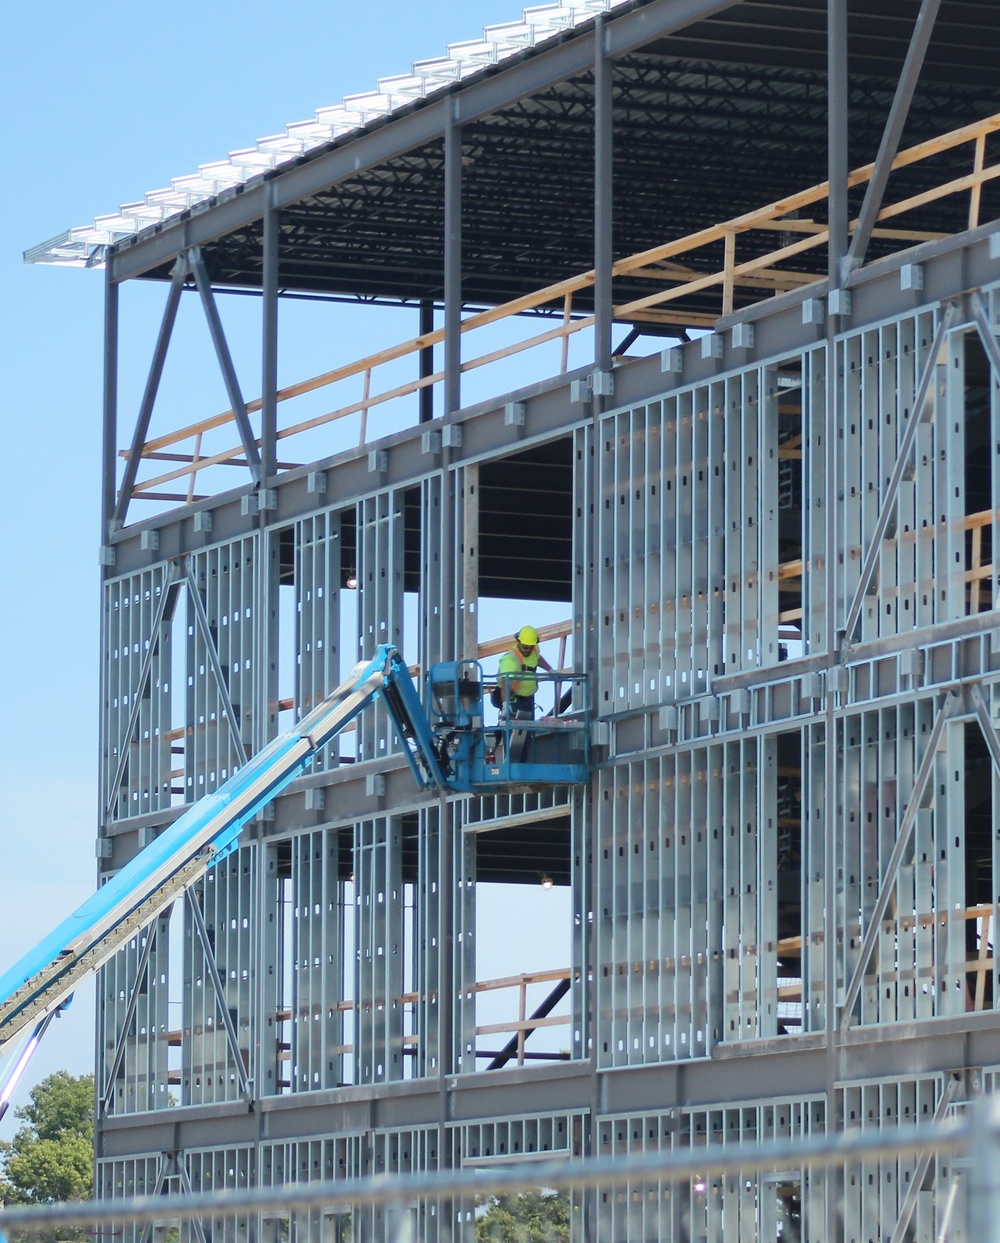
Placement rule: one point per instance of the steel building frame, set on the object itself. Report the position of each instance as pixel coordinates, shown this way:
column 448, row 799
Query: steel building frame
column 779, row 545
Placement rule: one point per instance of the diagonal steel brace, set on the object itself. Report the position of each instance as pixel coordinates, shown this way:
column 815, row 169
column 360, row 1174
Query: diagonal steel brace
column 893, row 132
column 924, row 772
column 909, row 1204
column 899, row 470
column 213, row 656
column 164, row 612
column 198, row 920
column 163, row 1174
column 178, row 276
column 129, row 1015
column 225, row 362
column 161, row 1178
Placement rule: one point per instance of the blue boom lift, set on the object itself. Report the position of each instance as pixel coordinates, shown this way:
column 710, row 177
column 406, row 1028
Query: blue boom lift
column 448, row 748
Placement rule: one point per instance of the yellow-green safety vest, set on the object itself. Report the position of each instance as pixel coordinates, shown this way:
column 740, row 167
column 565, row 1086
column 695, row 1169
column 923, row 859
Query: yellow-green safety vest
column 526, row 666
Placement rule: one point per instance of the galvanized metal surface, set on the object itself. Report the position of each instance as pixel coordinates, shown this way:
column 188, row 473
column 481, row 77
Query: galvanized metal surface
column 784, row 593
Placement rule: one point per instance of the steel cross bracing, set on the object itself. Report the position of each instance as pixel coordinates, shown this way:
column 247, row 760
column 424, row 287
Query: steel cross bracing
column 776, row 547
column 696, row 754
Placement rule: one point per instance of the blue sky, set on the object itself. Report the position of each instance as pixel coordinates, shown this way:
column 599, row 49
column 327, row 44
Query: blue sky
column 96, row 113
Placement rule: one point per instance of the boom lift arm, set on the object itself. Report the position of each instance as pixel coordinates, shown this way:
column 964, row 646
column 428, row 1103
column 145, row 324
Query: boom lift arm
column 209, row 830
column 451, row 754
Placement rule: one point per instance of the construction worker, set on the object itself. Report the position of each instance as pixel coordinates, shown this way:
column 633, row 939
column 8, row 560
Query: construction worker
column 517, row 675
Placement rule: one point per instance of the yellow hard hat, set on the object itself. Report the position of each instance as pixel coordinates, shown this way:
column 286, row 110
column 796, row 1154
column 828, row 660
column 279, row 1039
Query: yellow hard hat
column 528, row 635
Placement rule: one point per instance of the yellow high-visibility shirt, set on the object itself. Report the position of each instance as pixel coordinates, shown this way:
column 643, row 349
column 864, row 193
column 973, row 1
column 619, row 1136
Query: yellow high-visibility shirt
column 526, row 666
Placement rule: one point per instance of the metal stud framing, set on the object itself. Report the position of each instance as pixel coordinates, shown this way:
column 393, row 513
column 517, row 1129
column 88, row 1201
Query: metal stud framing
column 218, row 992
column 137, row 687
column 133, row 1025
column 784, row 591
column 321, row 987
column 736, row 1206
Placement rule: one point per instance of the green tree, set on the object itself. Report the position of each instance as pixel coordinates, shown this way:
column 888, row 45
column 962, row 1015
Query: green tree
column 51, row 1157
column 528, row 1217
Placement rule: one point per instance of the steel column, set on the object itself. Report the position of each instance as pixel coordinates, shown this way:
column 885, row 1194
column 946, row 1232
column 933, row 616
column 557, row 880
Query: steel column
column 452, row 266
column 838, row 155
column 269, row 347
column 426, row 360
column 603, row 197
column 109, row 462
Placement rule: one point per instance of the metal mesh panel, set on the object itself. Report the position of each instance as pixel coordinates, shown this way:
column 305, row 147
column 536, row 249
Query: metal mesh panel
column 121, row 1179
column 380, row 582
column 527, row 805
column 404, row 1151
column 427, row 947
column 302, row 1161
column 558, row 1134
column 816, row 574
column 688, row 539
column 218, row 1169
column 378, row 869
column 814, row 872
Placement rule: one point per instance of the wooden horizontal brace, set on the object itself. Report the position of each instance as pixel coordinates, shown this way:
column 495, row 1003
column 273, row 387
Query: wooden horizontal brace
column 524, row 1025
column 939, row 192
column 531, row 977
column 653, row 263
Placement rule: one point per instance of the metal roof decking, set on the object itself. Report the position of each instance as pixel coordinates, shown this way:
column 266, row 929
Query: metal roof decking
column 84, row 246
column 719, row 107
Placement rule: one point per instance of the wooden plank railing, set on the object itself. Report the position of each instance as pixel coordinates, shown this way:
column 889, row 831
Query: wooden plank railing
column 980, row 577
column 676, row 281
column 977, row 968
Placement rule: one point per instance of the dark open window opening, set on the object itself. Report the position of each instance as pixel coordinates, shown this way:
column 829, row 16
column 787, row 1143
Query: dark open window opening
column 979, row 879
column 789, row 876
column 788, row 376
column 981, row 459
column 525, row 555
column 526, row 524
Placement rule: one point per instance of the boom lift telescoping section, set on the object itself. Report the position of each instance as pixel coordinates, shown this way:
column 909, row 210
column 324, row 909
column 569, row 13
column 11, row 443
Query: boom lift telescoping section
column 453, row 752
